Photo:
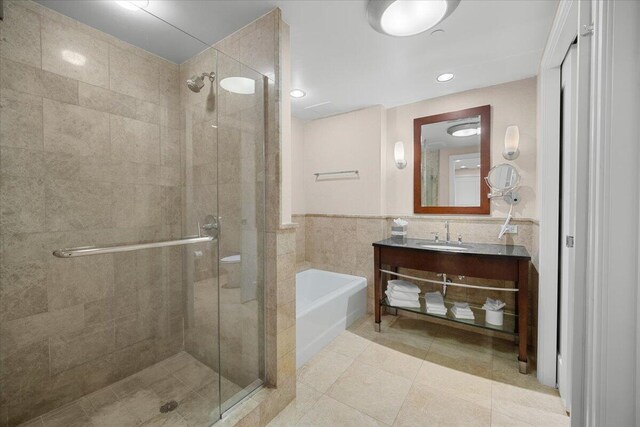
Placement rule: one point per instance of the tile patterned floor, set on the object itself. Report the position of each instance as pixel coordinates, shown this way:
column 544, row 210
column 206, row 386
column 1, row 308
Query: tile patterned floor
column 135, row 401
column 415, row 374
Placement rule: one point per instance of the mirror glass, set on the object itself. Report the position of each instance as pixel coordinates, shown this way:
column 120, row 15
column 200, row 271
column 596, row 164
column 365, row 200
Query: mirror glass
column 451, row 156
column 450, row 163
column 503, row 177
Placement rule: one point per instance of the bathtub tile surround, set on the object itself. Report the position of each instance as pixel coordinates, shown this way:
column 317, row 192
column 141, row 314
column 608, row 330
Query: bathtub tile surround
column 392, row 378
column 76, row 141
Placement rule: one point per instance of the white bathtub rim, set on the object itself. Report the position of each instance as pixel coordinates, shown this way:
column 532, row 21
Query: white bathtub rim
column 357, row 283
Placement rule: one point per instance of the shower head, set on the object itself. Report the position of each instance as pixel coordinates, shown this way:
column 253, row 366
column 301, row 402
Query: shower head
column 196, row 83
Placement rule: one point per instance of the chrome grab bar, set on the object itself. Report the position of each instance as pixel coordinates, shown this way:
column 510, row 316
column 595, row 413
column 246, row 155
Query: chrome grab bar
column 111, row 249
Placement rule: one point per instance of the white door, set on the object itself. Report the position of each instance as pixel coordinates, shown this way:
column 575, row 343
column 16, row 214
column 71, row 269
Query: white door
column 466, row 190
column 567, row 221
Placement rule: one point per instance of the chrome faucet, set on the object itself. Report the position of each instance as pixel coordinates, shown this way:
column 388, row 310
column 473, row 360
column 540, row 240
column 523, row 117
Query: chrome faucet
column 446, row 226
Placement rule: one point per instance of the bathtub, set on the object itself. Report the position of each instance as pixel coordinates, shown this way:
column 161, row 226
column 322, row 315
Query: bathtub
column 326, row 304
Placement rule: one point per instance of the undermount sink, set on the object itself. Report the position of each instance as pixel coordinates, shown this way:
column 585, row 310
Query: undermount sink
column 445, row 247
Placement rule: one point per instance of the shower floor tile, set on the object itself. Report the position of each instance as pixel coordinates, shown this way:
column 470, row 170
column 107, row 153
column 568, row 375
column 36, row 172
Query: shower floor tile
column 136, row 400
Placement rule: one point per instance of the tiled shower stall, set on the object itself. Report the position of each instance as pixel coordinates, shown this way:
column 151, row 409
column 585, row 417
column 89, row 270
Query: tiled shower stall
column 102, row 143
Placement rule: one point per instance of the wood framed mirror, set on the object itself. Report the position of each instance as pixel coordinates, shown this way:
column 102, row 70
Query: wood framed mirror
column 452, row 155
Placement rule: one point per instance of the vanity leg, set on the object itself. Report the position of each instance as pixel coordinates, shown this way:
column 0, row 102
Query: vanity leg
column 377, row 287
column 523, row 314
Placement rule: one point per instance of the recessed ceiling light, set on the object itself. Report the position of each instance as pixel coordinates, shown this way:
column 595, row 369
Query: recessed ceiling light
column 240, row 85
column 444, row 77
column 133, row 4
column 403, row 18
column 297, row 93
column 463, row 167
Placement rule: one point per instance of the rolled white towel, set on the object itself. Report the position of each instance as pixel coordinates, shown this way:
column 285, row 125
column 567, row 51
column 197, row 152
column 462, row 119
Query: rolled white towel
column 403, row 286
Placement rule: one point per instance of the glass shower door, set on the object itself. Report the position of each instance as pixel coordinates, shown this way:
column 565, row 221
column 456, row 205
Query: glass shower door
column 241, row 208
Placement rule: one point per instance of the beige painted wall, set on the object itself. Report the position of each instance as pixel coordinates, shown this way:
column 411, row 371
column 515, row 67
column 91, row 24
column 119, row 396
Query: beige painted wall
column 344, row 142
column 511, row 103
column 352, row 141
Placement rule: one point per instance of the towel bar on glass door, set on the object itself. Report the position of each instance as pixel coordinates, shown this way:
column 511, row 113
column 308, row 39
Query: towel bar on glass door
column 111, row 249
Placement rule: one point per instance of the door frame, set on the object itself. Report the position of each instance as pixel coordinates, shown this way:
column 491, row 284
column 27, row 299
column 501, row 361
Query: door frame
column 571, row 156
column 564, row 31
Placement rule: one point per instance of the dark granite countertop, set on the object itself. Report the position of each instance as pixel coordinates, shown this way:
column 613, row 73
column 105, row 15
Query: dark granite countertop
column 515, row 251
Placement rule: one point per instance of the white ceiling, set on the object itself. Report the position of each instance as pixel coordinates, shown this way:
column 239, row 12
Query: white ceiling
column 337, row 58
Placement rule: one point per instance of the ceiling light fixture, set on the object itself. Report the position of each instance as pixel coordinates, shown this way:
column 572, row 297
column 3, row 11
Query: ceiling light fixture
column 444, row 77
column 464, row 129
column 402, row 18
column 297, row 93
column 240, row 85
column 133, row 4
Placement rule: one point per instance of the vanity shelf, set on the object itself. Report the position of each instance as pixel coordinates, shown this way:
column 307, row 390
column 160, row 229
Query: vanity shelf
column 508, row 327
column 482, row 261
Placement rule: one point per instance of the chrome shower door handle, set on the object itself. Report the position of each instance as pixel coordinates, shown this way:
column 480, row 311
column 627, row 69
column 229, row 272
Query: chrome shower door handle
column 211, row 227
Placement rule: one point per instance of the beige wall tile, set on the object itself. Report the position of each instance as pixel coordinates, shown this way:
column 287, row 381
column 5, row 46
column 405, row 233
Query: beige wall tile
column 21, row 162
column 23, row 290
column 100, row 99
column 75, row 205
column 69, row 350
column 20, row 120
column 76, row 130
column 134, row 140
column 20, row 39
column 34, row 81
column 133, row 75
column 75, row 54
column 22, row 208
column 79, row 280
column 137, row 205
column 20, row 332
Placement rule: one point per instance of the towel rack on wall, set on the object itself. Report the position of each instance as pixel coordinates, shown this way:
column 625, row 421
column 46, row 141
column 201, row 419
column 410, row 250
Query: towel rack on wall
column 440, row 282
column 319, row 174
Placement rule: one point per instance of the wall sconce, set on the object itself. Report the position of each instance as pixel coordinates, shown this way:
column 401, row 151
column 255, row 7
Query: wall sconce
column 511, row 142
column 398, row 153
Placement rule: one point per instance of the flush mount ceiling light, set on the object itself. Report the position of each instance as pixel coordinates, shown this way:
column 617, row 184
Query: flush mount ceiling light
column 133, row 4
column 464, row 129
column 240, row 85
column 402, row 18
column 297, row 93
column 444, row 77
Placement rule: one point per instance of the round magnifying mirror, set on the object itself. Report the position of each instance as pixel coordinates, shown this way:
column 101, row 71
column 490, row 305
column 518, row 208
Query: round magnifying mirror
column 503, row 177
